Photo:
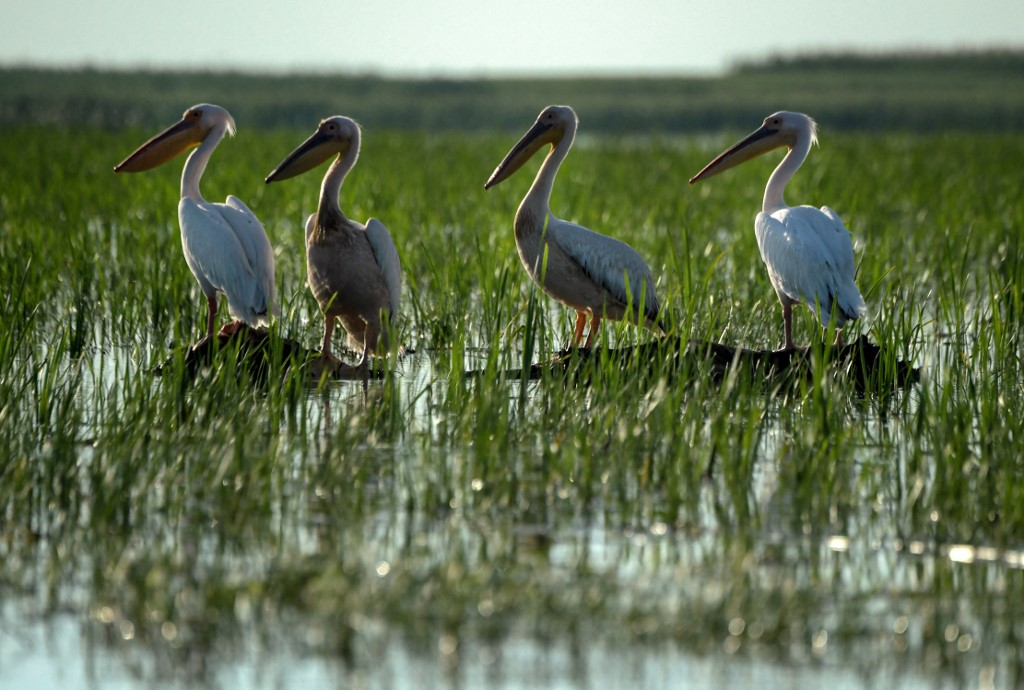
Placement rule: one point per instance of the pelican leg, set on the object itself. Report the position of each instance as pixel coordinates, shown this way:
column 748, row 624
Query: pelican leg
column 326, row 363
column 595, row 325
column 325, row 349
column 364, row 365
column 787, row 324
column 369, row 346
column 211, row 317
column 581, row 322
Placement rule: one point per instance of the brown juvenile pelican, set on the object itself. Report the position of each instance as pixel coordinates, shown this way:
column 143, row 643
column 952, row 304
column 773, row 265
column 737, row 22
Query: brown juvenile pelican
column 807, row 251
column 582, row 269
column 225, row 245
column 354, row 271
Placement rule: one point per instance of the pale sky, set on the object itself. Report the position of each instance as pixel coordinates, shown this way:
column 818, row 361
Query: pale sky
column 475, row 37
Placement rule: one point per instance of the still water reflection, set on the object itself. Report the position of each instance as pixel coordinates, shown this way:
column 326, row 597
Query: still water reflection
column 399, row 570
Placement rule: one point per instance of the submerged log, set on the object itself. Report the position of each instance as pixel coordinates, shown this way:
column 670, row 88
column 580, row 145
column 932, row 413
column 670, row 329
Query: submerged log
column 862, row 361
column 258, row 352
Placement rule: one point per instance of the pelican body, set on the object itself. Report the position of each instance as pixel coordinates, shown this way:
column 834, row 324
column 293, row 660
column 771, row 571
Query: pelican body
column 595, row 275
column 353, row 269
column 225, row 245
column 807, row 251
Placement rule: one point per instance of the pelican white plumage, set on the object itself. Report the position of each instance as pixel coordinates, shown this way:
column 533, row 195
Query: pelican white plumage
column 589, row 272
column 807, row 251
column 353, row 269
column 225, row 245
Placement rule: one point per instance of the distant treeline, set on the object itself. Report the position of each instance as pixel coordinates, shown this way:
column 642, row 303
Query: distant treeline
column 977, row 91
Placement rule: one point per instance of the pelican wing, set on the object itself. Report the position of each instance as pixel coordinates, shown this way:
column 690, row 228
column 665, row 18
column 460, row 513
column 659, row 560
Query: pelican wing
column 608, row 262
column 809, row 257
column 220, row 262
column 310, row 224
column 838, row 241
column 387, row 258
column 257, row 248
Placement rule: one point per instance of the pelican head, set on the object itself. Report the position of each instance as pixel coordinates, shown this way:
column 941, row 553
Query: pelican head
column 551, row 127
column 779, row 129
column 193, row 127
column 335, row 136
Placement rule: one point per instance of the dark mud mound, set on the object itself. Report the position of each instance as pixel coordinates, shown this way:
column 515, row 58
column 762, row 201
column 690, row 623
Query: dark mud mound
column 257, row 353
column 868, row 365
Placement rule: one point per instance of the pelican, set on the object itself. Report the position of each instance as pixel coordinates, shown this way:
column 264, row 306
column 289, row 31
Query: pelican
column 225, row 245
column 807, row 251
column 353, row 269
column 595, row 275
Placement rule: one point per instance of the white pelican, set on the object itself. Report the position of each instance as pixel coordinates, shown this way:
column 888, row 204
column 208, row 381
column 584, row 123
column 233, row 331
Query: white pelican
column 353, row 269
column 807, row 251
column 225, row 245
column 582, row 269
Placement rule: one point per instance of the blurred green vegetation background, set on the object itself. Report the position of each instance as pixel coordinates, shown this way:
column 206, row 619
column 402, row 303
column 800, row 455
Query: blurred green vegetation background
column 965, row 91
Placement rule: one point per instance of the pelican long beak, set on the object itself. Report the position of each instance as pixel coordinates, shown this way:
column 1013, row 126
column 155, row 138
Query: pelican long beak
column 753, row 145
column 311, row 153
column 534, row 139
column 179, row 137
